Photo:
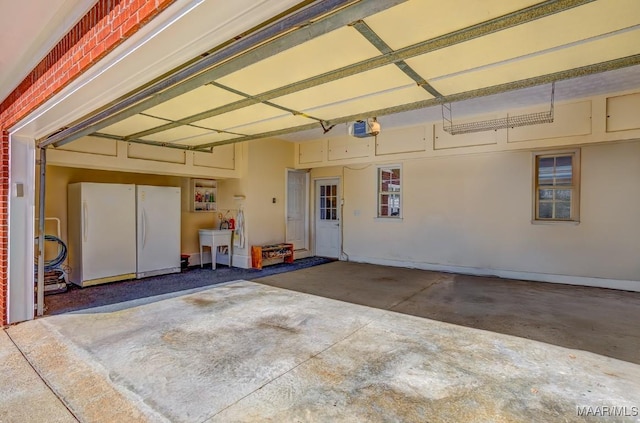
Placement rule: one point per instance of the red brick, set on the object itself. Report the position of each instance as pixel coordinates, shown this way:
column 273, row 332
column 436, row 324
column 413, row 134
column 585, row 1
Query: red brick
column 84, row 62
column 117, row 21
column 98, row 51
column 112, row 39
column 147, row 9
column 89, row 45
column 102, row 32
column 130, row 25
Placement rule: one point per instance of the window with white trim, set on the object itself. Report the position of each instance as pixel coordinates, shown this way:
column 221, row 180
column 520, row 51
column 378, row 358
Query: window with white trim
column 389, row 191
column 557, row 186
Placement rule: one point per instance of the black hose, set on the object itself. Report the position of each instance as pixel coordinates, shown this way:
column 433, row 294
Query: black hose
column 59, row 259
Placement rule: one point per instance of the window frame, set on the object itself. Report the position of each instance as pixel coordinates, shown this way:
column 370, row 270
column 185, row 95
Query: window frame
column 574, row 186
column 380, row 193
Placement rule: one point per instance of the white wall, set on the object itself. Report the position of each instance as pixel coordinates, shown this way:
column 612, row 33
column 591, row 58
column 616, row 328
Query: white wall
column 472, row 214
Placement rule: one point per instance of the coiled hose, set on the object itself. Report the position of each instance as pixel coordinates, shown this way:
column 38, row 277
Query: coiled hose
column 59, row 259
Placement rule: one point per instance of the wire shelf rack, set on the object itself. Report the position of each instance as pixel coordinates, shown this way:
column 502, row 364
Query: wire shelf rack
column 514, row 121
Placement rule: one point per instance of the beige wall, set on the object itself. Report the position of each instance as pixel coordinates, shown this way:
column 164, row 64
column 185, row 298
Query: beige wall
column 261, row 166
column 465, row 209
column 473, row 212
column 268, row 160
column 120, row 156
column 228, row 206
column 56, row 198
column 93, row 159
column 594, row 120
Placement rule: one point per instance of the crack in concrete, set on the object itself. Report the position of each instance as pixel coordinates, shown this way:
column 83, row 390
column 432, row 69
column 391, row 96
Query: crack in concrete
column 349, row 335
column 35, row 369
column 397, row 303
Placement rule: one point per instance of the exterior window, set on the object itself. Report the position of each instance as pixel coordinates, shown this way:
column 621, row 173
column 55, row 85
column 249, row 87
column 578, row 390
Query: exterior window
column 389, row 191
column 557, row 186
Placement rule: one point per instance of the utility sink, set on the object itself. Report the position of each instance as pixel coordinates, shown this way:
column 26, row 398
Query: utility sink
column 215, row 238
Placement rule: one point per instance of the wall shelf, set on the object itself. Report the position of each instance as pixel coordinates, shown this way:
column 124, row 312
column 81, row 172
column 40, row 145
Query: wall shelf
column 204, row 194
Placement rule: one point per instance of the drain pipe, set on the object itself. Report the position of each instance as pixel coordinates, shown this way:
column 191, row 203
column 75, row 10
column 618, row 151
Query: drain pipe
column 40, row 286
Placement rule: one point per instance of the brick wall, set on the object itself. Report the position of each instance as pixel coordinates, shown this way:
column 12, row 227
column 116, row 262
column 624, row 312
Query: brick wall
column 104, row 27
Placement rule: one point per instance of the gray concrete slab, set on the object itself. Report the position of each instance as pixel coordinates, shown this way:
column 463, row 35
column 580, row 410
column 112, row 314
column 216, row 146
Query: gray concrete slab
column 252, row 352
column 24, row 397
column 602, row 321
column 406, row 369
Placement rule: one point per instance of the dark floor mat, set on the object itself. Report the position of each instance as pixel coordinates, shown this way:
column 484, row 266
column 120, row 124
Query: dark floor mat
column 77, row 298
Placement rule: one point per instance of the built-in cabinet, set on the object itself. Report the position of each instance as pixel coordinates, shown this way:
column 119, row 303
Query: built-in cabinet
column 204, row 194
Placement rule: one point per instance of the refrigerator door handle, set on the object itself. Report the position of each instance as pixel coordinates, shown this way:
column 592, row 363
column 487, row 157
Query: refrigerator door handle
column 144, row 228
column 85, row 221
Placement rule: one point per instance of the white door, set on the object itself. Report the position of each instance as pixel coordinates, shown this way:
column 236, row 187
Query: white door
column 108, row 230
column 328, row 218
column 297, row 189
column 158, row 229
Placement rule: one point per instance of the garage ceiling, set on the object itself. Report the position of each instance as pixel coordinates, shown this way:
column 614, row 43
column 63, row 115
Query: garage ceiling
column 373, row 58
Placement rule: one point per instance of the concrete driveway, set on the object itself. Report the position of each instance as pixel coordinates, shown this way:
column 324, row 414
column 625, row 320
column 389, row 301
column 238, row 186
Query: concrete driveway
column 251, row 352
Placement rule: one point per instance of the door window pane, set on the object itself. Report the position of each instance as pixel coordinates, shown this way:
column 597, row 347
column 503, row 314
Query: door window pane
column 328, row 202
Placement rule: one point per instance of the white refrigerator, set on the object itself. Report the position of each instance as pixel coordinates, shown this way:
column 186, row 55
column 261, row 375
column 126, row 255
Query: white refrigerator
column 158, row 230
column 122, row 231
column 101, row 223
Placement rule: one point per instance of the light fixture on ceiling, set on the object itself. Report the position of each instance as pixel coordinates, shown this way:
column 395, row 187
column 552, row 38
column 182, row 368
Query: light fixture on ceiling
column 514, row 121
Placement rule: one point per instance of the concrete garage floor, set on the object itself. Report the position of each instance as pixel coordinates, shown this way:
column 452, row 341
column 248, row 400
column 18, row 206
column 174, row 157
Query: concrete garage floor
column 602, row 321
column 249, row 352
